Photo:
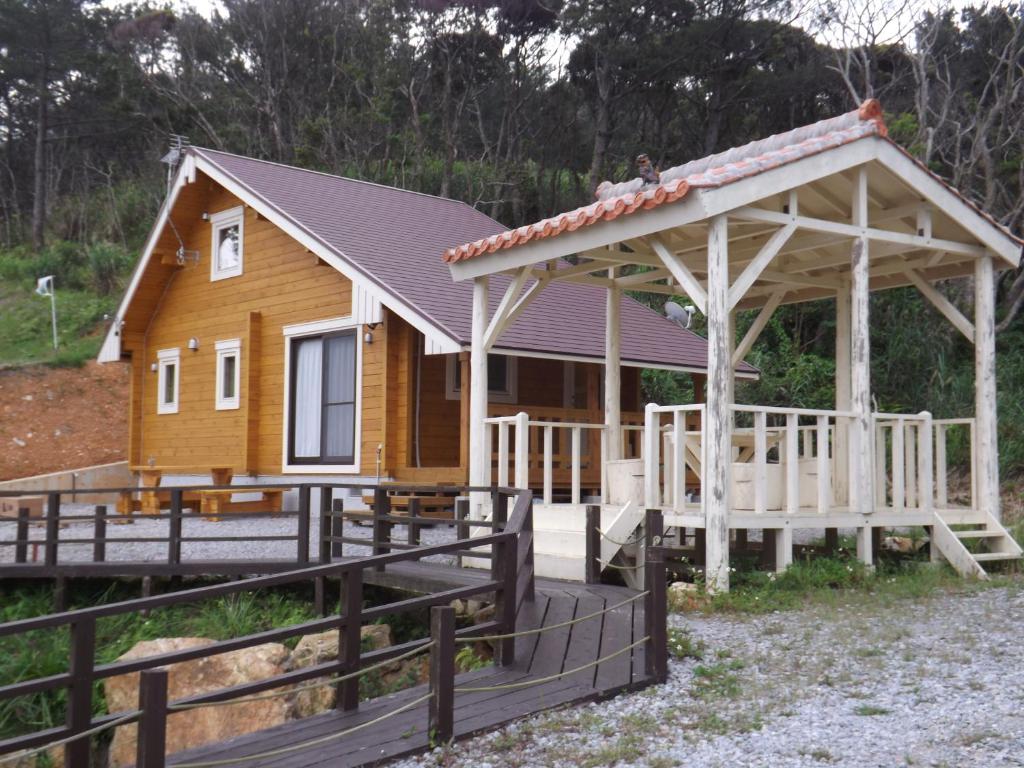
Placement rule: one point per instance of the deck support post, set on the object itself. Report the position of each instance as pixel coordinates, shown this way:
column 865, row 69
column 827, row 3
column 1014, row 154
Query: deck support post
column 612, row 374
column 592, row 543
column 655, row 615
column 718, row 430
column 441, row 706
column 151, row 743
column 862, row 479
column 350, row 638
column 479, row 453
column 987, row 446
column 783, row 540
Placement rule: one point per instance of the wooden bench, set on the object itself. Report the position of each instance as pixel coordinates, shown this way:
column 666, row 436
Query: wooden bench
column 216, row 503
column 433, row 506
column 150, row 501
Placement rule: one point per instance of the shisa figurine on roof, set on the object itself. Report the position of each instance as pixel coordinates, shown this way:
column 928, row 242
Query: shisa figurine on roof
column 647, row 171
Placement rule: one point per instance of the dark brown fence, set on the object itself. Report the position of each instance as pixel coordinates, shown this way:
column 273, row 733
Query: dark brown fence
column 510, row 583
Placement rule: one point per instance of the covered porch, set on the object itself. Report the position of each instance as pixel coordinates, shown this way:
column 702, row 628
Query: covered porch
column 831, row 210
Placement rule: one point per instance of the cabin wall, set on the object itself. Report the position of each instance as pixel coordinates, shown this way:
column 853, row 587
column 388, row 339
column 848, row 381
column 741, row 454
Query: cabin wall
column 284, row 285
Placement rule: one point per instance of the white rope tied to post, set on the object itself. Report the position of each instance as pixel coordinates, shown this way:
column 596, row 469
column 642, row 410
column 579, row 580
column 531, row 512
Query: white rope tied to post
column 549, row 678
column 305, row 744
column 301, row 688
column 19, row 756
column 606, row 537
column 608, row 564
column 559, row 625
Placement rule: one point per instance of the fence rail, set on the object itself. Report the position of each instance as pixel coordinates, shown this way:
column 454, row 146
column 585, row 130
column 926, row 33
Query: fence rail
column 510, row 583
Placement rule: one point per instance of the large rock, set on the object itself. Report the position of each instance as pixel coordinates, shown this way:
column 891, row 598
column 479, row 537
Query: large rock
column 194, row 728
column 321, row 648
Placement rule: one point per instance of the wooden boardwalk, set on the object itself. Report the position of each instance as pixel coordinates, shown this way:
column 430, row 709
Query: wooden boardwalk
column 538, row 656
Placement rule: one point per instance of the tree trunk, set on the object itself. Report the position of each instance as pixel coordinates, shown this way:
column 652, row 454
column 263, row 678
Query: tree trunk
column 602, row 126
column 39, row 172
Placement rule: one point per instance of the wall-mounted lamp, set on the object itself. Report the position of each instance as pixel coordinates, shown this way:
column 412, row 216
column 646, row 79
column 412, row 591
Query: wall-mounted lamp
column 193, row 343
column 154, row 367
column 205, row 216
column 368, row 337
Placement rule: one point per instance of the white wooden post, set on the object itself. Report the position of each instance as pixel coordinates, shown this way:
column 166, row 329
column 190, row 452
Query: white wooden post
column 718, row 432
column 612, row 372
column 678, row 462
column 548, row 464
column 503, row 453
column 576, row 464
column 651, row 451
column 899, row 458
column 941, row 481
column 880, row 499
column 861, row 476
column 783, row 548
column 479, row 452
column 910, row 447
column 987, row 446
column 760, row 462
column 841, row 444
column 925, row 478
column 824, row 467
column 792, row 464
column 522, row 450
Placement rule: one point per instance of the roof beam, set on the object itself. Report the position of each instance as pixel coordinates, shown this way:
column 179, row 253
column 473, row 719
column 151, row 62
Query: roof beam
column 680, row 272
column 638, row 278
column 499, row 321
column 851, row 230
column 754, row 331
column 941, row 303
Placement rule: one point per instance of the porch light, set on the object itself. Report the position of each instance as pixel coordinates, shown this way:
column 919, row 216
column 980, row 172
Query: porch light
column 193, row 344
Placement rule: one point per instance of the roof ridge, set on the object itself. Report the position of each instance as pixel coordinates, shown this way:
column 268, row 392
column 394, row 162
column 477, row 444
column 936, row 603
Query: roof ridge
column 333, row 176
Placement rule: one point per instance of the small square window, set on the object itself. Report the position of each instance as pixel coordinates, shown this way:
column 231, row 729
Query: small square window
column 501, row 378
column 229, row 354
column 226, row 248
column 168, row 380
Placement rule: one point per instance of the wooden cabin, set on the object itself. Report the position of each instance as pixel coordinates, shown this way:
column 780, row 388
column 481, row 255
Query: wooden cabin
column 830, row 210
column 285, row 324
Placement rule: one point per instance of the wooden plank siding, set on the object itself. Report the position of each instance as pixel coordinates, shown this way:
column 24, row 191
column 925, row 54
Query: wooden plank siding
column 281, row 282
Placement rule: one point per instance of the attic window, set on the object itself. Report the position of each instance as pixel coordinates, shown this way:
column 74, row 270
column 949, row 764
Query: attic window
column 226, row 249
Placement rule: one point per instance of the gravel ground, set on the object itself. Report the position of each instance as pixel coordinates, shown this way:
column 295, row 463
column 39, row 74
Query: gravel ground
column 250, row 547
column 938, row 682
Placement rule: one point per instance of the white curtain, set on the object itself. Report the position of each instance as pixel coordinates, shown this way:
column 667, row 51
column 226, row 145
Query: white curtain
column 308, row 375
column 340, row 410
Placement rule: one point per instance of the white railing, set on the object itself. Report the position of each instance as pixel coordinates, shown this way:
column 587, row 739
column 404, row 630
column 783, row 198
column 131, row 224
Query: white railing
column 943, row 429
column 667, row 453
column 789, row 459
column 904, row 462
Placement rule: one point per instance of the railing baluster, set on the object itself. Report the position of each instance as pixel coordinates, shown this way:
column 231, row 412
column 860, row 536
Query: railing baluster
column 792, row 464
column 824, row 467
column 52, row 529
column 880, row 472
column 350, row 637
column 760, row 462
column 910, row 447
column 898, row 458
column 926, row 488
column 21, row 534
column 678, row 464
column 974, row 465
column 461, row 528
column 592, row 544
column 503, row 569
column 576, row 465
column 503, row 454
column 522, row 468
column 652, row 440
column 99, row 534
column 413, row 528
column 381, row 528
column 941, row 481
column 174, row 530
column 548, row 466
column 441, row 706
column 79, row 706
column 151, row 742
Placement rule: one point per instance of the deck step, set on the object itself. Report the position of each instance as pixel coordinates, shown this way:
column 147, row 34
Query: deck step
column 985, row 557
column 982, row 534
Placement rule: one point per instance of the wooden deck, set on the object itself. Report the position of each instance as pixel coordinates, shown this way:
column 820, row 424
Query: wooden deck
column 537, row 656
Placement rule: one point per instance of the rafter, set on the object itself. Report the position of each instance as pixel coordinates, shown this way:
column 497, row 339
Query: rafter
column 500, row 319
column 681, row 273
column 941, row 303
column 759, row 264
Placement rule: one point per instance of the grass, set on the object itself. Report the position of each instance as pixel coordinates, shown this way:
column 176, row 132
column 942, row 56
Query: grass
column 870, row 710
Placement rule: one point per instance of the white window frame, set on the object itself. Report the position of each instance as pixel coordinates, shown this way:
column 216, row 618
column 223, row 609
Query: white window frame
column 319, row 328
column 229, row 348
column 165, row 358
column 508, row 395
column 219, row 221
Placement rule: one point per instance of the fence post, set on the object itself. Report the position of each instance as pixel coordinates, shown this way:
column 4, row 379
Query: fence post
column 99, row 534
column 174, row 529
column 302, row 529
column 441, row 709
column 52, row 529
column 503, row 569
column 461, row 529
column 152, row 735
column 381, row 527
column 499, row 510
column 350, row 637
column 21, row 535
column 79, row 707
column 592, row 540
column 655, row 616
column 654, row 528
column 652, row 436
column 528, row 592
column 337, row 528
column 413, row 526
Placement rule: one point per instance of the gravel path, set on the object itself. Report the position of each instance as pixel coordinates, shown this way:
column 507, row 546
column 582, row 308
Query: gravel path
column 249, row 528
column 938, row 682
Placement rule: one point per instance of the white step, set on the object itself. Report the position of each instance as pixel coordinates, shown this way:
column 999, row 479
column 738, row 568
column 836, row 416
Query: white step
column 983, row 534
column 985, row 557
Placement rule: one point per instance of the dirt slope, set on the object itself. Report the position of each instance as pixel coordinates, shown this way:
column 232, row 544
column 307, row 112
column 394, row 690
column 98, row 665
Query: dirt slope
column 62, row 418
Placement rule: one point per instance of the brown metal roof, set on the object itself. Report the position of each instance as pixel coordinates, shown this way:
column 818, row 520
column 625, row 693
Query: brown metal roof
column 393, row 236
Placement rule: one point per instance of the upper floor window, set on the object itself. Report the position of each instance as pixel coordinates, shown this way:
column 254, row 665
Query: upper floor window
column 226, row 249
column 229, row 353
column 168, row 380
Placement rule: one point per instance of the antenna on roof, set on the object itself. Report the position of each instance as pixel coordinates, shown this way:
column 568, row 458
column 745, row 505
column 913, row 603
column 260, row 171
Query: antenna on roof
column 178, row 144
column 681, row 316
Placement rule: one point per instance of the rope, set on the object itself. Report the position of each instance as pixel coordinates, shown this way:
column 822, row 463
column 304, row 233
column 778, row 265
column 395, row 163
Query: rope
column 539, row 630
column 304, row 744
column 637, row 540
column 549, row 678
column 607, row 564
column 18, row 756
column 300, row 688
